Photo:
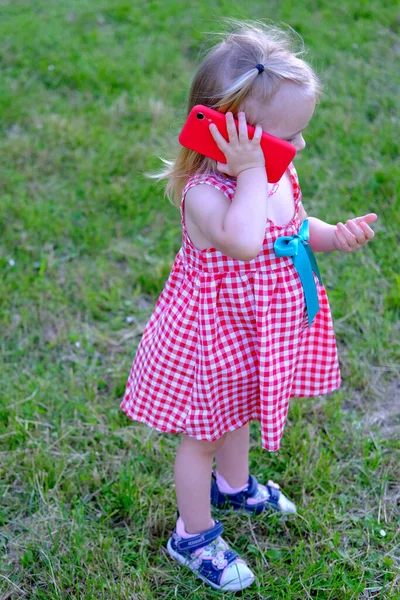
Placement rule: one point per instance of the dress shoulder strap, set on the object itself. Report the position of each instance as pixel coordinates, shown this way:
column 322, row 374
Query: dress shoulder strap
column 225, row 184
column 295, row 185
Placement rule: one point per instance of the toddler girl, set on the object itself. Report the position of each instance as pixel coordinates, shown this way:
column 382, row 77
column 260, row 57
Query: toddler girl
column 243, row 323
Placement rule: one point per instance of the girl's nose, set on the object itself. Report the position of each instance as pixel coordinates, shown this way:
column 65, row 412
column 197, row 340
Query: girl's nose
column 300, row 143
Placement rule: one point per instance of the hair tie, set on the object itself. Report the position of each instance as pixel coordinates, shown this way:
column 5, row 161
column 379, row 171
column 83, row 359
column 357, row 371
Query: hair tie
column 260, row 68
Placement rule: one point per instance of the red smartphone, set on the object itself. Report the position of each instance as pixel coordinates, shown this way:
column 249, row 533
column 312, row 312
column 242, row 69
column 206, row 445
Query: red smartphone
column 196, row 136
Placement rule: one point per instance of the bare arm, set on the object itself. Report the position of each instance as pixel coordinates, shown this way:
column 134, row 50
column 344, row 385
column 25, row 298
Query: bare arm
column 235, row 228
column 326, row 238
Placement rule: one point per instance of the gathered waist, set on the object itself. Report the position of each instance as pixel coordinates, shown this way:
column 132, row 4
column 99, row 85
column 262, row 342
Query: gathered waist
column 213, row 261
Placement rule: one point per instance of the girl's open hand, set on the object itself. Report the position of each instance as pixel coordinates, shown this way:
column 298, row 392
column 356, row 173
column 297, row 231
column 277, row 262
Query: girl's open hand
column 240, row 152
column 355, row 234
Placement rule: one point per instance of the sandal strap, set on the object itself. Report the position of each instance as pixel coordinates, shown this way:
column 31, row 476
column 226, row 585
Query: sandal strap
column 240, row 497
column 274, row 494
column 253, row 487
column 211, row 571
column 201, row 539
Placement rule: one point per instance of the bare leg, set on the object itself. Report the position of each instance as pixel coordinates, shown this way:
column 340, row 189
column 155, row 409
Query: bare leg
column 233, row 457
column 193, row 465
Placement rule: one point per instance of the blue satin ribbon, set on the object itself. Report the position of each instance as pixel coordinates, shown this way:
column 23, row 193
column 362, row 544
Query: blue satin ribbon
column 304, row 261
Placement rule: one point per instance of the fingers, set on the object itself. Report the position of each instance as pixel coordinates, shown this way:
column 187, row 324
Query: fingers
column 232, row 132
column 353, row 235
column 361, row 231
column 234, row 138
column 241, row 153
column 368, row 232
column 369, row 218
column 257, row 134
column 356, row 231
column 243, row 132
column 342, row 239
column 231, row 127
column 348, row 239
column 243, row 135
column 337, row 241
column 219, row 138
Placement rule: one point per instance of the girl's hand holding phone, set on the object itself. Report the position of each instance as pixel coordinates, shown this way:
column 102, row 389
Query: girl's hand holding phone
column 240, row 152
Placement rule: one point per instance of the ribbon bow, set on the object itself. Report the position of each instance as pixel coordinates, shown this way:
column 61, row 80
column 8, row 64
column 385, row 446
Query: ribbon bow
column 304, row 261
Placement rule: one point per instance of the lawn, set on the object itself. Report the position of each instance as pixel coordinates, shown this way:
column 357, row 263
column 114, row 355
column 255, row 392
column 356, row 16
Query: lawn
column 92, row 93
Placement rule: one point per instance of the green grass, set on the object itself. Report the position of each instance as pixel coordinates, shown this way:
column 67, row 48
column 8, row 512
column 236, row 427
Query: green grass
column 92, row 92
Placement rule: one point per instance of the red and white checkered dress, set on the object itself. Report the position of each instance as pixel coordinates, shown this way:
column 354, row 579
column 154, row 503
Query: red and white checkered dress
column 228, row 340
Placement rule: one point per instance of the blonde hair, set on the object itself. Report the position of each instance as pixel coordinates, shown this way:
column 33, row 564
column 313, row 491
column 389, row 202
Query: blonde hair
column 228, row 76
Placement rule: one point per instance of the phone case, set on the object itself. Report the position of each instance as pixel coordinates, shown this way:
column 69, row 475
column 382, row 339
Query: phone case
column 196, row 136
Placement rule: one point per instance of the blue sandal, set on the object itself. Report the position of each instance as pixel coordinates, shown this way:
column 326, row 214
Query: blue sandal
column 211, row 559
column 266, row 496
